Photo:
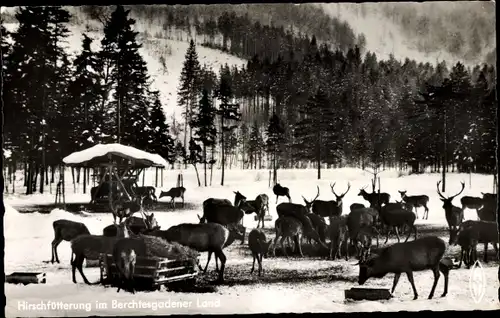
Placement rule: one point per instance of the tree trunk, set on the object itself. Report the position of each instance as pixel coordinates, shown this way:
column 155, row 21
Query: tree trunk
column 73, row 178
column 205, row 162
column 197, row 175
column 26, row 173
column 223, row 152
column 84, row 180
column 42, row 178
column 37, row 170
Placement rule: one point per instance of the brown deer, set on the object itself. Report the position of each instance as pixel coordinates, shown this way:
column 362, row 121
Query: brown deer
column 259, row 247
column 259, row 206
column 424, row 253
column 416, row 201
column 454, row 215
column 473, row 203
column 66, row 230
column 203, row 237
column 331, row 208
column 177, row 192
column 288, row 227
column 135, row 224
column 279, row 191
column 373, row 198
column 91, row 246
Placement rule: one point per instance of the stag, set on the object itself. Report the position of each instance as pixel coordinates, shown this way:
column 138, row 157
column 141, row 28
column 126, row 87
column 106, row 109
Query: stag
column 416, row 201
column 174, row 193
column 374, row 198
column 280, row 191
column 330, row 208
column 454, row 215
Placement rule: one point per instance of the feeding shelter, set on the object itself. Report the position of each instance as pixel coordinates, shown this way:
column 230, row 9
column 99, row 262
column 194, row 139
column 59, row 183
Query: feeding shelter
column 119, row 168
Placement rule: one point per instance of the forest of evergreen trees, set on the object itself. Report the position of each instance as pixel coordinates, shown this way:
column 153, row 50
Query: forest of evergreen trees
column 296, row 103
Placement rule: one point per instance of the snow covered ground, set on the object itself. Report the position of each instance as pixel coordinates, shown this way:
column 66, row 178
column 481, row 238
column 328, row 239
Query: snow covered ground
column 288, row 285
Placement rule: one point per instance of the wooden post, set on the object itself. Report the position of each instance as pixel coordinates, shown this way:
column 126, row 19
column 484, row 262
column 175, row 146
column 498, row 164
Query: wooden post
column 162, row 177
column 84, row 180
column 269, row 178
column 143, row 176
column 156, row 177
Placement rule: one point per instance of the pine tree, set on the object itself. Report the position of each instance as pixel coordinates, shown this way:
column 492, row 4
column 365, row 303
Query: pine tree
column 203, row 124
column 124, row 71
column 84, row 92
column 313, row 132
column 160, row 140
column 275, row 138
column 194, row 157
column 228, row 112
column 190, row 86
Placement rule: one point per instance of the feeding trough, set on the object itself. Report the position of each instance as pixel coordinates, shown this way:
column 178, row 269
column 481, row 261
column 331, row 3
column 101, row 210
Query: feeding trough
column 153, row 271
column 26, row 278
column 367, row 294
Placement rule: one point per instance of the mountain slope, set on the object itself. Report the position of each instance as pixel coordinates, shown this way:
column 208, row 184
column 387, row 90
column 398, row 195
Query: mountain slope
column 426, row 32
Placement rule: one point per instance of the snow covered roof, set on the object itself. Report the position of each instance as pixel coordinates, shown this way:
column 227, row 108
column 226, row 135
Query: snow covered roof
column 100, row 154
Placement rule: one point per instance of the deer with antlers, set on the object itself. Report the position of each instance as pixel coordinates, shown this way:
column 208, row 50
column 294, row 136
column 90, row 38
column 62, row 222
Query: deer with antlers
column 416, row 201
column 374, row 198
column 454, row 214
column 331, row 208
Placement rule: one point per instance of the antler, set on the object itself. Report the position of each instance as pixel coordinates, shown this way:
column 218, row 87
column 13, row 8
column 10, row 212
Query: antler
column 331, row 187
column 348, row 188
column 364, row 187
column 439, row 192
column 463, row 187
column 317, row 195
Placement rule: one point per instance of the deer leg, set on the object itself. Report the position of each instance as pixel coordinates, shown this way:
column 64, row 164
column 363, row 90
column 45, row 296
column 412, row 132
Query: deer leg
column 283, row 248
column 276, row 199
column 387, row 233
column 79, row 265
column 395, row 282
column 274, row 245
column 220, row 254
column 445, row 270
column 208, row 261
column 299, row 245
column 397, row 234
column 182, row 200
column 426, row 212
column 462, row 258
column 253, row 263
column 54, row 244
column 259, row 259
column 216, row 264
column 410, row 278
column 435, row 271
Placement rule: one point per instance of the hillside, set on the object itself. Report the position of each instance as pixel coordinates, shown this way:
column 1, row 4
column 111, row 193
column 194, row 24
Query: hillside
column 156, row 48
column 426, row 32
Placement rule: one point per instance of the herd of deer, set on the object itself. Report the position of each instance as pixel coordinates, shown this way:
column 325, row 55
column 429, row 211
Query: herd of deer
column 221, row 224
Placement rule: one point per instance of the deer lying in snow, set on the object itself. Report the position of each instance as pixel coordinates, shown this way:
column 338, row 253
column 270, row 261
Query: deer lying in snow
column 259, row 247
column 174, row 193
column 421, row 254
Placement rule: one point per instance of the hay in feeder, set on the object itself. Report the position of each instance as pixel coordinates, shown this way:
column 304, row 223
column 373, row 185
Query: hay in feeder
column 158, row 247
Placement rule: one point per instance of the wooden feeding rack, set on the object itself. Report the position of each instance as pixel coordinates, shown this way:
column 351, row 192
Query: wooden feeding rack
column 155, row 271
column 367, row 294
column 119, row 168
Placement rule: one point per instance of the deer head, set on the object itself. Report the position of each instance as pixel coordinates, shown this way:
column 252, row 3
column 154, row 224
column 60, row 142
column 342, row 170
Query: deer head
column 402, row 193
column 310, row 203
column 447, row 201
column 238, row 197
column 362, row 191
column 340, row 197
